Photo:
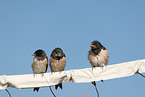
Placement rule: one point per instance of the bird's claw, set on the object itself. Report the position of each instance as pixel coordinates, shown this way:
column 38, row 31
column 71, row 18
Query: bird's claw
column 34, row 75
column 42, row 74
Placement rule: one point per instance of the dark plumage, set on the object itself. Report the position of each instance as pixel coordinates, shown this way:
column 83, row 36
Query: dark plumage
column 57, row 62
column 40, row 64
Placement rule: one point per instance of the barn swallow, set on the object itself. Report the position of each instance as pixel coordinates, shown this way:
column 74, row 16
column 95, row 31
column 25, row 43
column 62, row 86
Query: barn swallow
column 40, row 64
column 98, row 55
column 57, row 62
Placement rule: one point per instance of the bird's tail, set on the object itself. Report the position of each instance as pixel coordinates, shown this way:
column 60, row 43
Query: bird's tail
column 58, row 85
column 36, row 89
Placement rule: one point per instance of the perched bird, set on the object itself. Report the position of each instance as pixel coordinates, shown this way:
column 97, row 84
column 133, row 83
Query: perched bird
column 57, row 62
column 40, row 64
column 98, row 55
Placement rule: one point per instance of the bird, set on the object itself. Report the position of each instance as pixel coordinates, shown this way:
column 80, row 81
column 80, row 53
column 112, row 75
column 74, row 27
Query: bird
column 57, row 62
column 39, row 64
column 98, row 55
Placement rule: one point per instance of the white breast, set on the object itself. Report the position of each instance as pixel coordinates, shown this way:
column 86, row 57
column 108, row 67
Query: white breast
column 39, row 66
column 98, row 60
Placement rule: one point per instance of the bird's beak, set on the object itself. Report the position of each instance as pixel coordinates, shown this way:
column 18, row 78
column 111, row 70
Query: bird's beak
column 58, row 55
column 33, row 54
column 92, row 46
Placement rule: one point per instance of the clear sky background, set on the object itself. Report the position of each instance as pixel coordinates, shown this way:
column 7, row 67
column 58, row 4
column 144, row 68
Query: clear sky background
column 28, row 25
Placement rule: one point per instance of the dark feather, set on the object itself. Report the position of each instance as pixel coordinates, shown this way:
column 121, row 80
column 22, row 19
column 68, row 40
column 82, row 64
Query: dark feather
column 58, row 85
column 36, row 89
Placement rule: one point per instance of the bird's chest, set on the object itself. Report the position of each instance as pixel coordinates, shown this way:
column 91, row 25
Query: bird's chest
column 39, row 65
column 56, row 66
column 96, row 59
column 56, row 63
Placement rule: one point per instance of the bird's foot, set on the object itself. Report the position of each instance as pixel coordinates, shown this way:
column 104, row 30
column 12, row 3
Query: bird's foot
column 42, row 74
column 102, row 66
column 60, row 72
column 93, row 68
column 34, row 75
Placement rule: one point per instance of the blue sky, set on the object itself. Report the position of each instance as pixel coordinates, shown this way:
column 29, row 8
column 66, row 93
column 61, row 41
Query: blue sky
column 28, row 25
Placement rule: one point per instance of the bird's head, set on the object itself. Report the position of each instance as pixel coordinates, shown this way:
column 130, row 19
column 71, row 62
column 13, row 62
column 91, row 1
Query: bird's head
column 39, row 53
column 96, row 47
column 57, row 54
